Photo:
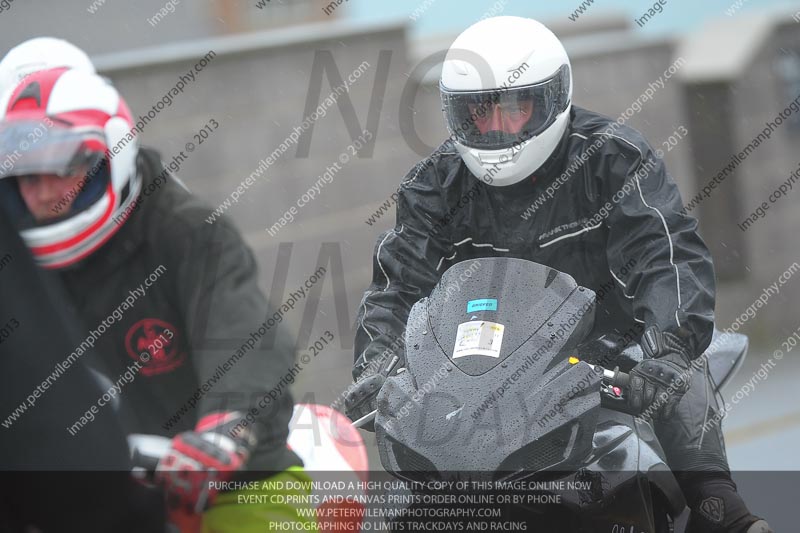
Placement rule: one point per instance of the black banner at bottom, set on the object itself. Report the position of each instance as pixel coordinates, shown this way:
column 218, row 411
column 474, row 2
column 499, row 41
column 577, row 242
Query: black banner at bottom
column 329, row 502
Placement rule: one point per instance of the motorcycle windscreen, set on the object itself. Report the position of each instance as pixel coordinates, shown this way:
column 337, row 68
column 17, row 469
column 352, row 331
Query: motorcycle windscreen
column 487, row 385
column 483, row 310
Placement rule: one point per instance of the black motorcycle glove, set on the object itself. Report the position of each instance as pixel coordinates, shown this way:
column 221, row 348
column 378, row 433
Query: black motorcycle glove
column 362, row 399
column 659, row 382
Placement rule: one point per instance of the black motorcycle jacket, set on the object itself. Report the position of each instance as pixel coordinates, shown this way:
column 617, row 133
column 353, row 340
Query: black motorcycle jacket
column 602, row 209
column 183, row 293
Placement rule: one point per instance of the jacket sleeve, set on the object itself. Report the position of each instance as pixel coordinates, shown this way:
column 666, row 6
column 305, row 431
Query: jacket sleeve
column 234, row 354
column 404, row 270
column 655, row 252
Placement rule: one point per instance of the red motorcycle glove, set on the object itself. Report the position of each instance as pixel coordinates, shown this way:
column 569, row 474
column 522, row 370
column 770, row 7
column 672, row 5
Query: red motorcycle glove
column 199, row 458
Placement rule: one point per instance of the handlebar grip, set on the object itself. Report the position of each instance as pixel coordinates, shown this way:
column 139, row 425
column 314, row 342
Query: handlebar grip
column 146, row 462
column 621, row 379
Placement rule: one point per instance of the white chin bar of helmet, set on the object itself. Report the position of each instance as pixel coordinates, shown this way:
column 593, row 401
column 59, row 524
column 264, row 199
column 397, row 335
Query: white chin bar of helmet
column 511, row 165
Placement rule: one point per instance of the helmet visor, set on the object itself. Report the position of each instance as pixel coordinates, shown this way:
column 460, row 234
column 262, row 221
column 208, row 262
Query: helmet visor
column 500, row 118
column 32, row 147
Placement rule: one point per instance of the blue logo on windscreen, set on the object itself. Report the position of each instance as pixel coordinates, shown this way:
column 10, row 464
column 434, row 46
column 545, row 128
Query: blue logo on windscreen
column 485, row 304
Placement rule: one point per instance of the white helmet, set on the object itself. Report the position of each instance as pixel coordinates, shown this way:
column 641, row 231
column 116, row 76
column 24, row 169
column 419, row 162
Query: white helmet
column 40, row 53
column 68, row 122
column 506, row 95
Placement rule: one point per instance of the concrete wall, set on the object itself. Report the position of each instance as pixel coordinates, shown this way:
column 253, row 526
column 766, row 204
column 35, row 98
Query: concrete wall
column 101, row 26
column 771, row 244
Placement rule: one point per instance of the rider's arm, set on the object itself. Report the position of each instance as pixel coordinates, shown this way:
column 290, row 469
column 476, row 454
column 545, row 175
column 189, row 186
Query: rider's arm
column 405, row 268
column 654, row 250
column 224, row 311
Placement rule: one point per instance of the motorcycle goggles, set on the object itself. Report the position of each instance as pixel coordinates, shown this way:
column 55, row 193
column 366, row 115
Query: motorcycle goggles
column 501, row 118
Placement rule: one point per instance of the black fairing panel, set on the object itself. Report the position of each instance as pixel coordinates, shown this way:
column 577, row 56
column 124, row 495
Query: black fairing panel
column 528, row 297
column 617, row 483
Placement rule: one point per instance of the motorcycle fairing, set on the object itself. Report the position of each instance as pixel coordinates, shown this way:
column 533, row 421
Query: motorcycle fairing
column 439, row 416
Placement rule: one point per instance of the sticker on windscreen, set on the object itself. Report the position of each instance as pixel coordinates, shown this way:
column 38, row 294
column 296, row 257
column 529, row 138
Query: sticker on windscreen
column 478, row 338
column 485, row 304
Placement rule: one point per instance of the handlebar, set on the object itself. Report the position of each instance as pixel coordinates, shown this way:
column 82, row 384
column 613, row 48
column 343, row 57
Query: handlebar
column 364, row 420
column 146, row 451
column 614, row 377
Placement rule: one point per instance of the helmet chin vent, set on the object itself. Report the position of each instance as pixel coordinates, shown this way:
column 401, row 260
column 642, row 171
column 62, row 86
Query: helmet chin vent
column 461, row 68
column 497, row 157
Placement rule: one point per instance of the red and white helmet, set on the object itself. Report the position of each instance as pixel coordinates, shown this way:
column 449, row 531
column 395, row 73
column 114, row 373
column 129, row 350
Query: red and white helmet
column 54, row 122
column 39, row 53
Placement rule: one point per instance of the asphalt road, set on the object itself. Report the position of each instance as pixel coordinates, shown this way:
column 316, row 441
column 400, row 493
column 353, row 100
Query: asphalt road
column 762, row 430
